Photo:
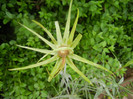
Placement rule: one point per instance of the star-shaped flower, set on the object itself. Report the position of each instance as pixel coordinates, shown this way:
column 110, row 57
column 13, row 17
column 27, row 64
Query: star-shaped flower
column 62, row 50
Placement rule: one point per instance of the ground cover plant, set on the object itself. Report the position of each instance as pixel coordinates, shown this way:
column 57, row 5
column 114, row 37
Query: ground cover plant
column 106, row 29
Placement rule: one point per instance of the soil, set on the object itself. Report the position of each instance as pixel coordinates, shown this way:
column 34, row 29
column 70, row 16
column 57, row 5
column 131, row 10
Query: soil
column 129, row 73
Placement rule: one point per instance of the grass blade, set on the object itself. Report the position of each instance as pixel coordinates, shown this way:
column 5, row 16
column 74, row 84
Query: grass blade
column 71, row 64
column 37, row 64
column 76, row 41
column 46, row 41
column 58, row 33
column 73, row 29
column 78, row 58
column 37, row 49
column 49, row 34
column 126, row 89
column 128, row 63
column 67, row 28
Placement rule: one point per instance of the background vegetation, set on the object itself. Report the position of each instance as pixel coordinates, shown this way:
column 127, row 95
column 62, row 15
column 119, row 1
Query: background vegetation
column 106, row 27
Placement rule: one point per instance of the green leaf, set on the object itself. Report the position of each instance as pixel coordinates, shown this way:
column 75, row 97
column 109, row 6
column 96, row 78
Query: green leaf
column 78, row 58
column 126, row 89
column 46, row 41
column 36, row 85
column 12, row 42
column 9, row 15
column 79, row 28
column 71, row 64
column 103, row 44
column 38, row 64
column 128, row 63
column 44, row 93
column 20, row 59
column 36, row 94
column 5, row 21
column 3, row 7
column 31, row 88
column 1, row 84
column 49, row 34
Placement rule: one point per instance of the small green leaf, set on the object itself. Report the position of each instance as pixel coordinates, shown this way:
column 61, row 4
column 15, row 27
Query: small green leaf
column 36, row 85
column 9, row 15
column 21, row 60
column 31, row 88
column 1, row 84
column 79, row 28
column 44, row 93
column 5, row 21
column 103, row 44
column 128, row 63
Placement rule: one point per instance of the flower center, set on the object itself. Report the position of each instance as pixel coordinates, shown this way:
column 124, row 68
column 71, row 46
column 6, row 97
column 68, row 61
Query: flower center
column 63, row 53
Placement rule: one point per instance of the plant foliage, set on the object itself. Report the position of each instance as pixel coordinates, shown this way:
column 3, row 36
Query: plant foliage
column 106, row 29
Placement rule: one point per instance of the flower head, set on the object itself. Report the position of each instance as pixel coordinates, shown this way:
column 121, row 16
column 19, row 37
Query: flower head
column 62, row 49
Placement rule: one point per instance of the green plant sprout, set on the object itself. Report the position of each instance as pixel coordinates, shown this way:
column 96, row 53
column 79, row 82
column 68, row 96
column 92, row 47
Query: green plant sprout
column 62, row 49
